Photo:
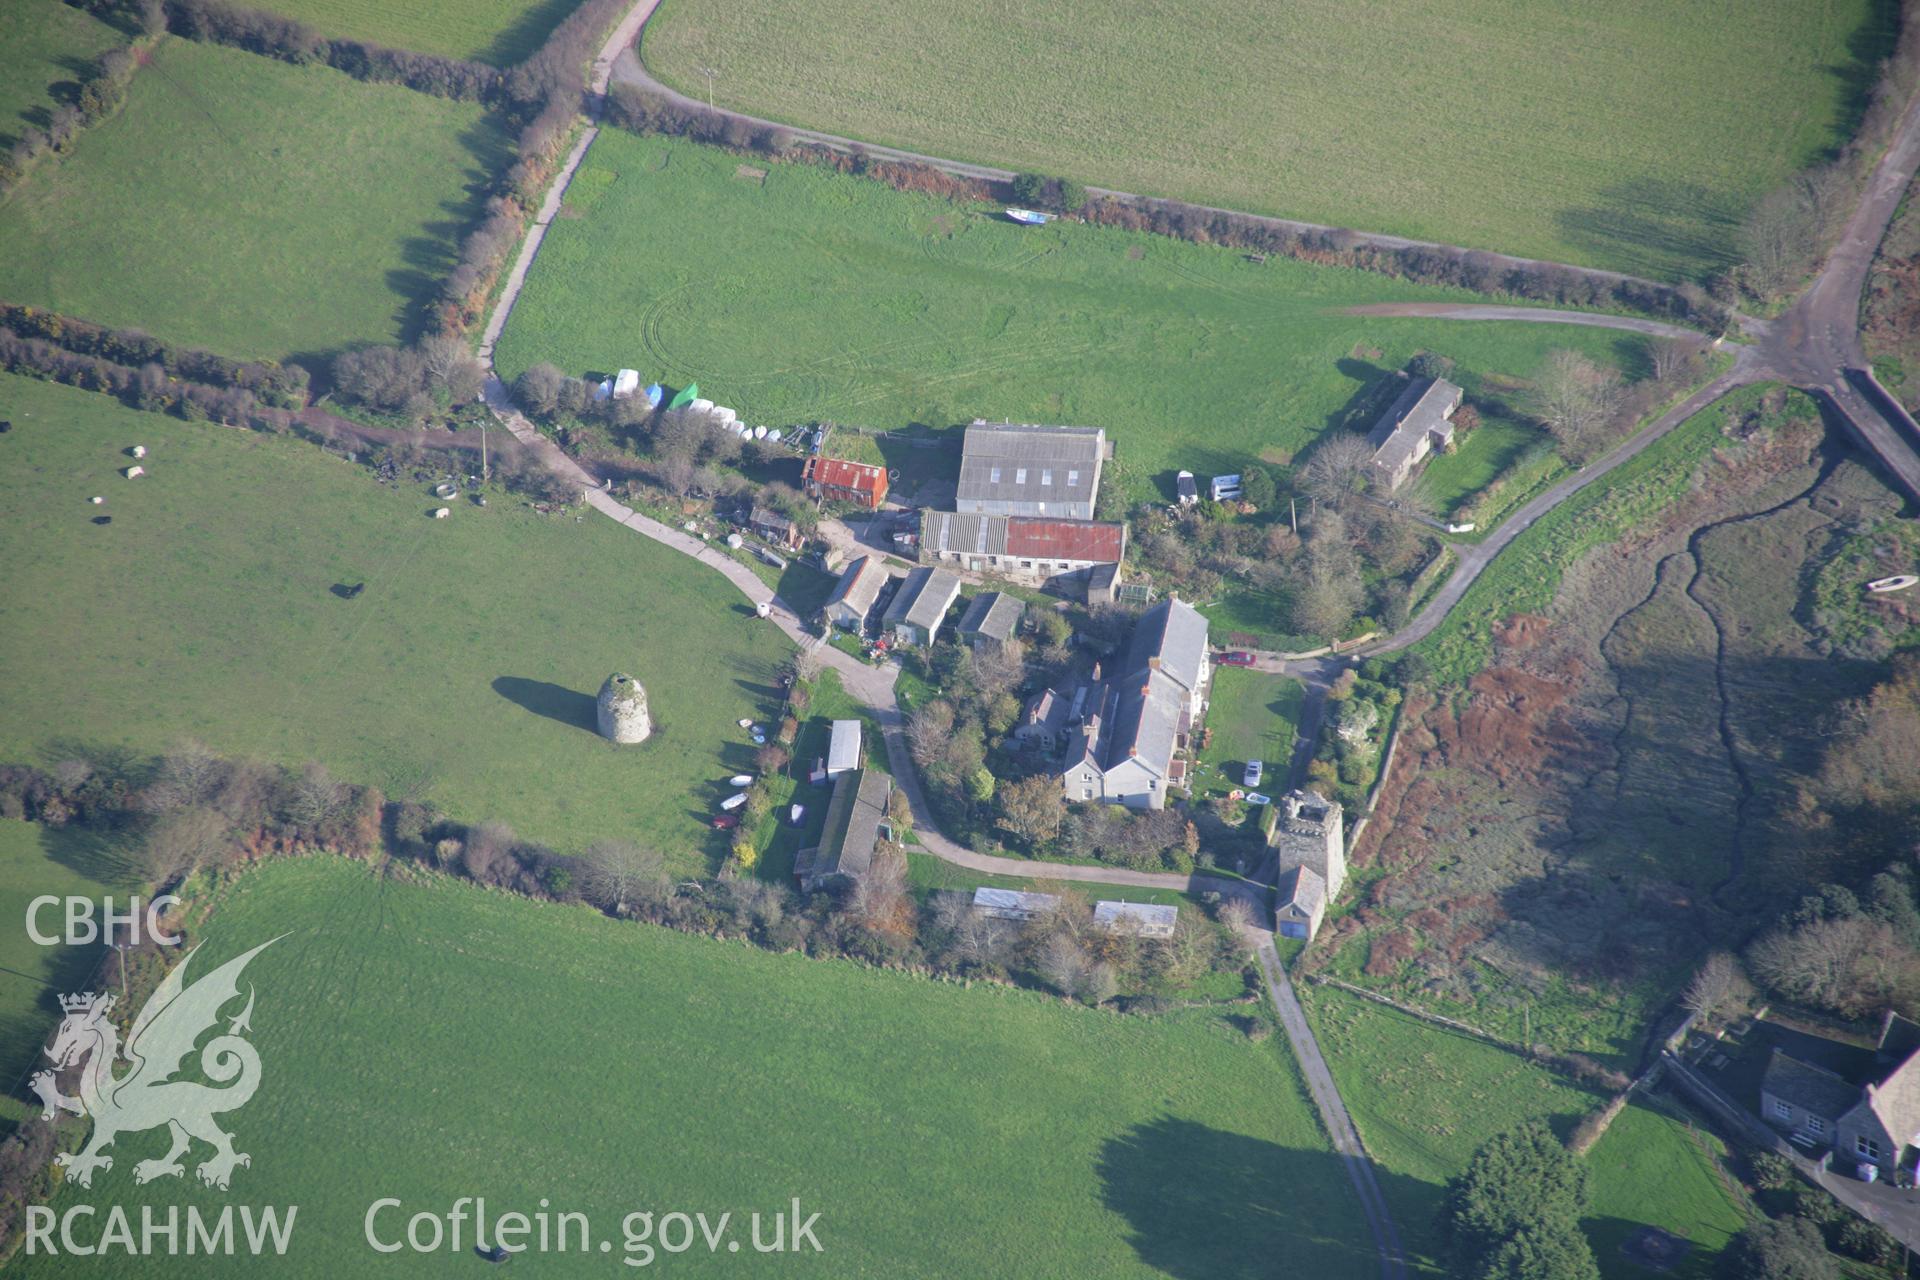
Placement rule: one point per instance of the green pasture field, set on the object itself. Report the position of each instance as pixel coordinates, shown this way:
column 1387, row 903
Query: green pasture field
column 1251, row 714
column 1256, row 613
column 465, row 672
column 36, row 861
column 1632, row 137
column 44, row 43
column 430, row 1041
column 1451, row 479
column 501, row 32
column 253, row 207
column 1424, row 1098
column 1652, row 1169
column 814, row 295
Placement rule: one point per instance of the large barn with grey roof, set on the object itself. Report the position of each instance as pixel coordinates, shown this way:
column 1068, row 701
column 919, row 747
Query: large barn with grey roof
column 1025, row 470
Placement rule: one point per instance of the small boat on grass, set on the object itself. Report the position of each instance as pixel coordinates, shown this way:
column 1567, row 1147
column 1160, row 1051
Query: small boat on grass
column 1029, row 217
column 741, row 780
column 1899, row 582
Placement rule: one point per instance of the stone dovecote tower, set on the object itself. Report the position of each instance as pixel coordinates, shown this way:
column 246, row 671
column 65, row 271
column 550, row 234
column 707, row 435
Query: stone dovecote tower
column 622, row 708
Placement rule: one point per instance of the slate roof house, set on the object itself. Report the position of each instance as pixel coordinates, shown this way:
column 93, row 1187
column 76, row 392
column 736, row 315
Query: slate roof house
column 837, row 480
column 853, row 596
column 917, row 608
column 856, row 823
column 1302, row 905
column 1418, row 422
column 1043, row 721
column 1309, row 839
column 991, row 619
column 1130, row 730
column 1009, row 470
column 1875, row 1122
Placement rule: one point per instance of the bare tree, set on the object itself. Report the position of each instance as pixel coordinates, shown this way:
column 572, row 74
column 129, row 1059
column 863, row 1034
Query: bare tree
column 487, row 846
column 928, row 733
column 539, row 389
column 1329, row 589
column 618, row 873
column 1031, row 808
column 1064, row 966
column 315, row 798
column 1235, row 913
column 1719, row 986
column 999, row 668
column 189, row 775
column 1778, row 239
column 1100, row 983
column 879, row 900
column 1574, row 399
column 183, row 841
column 1673, row 357
column 1339, row 469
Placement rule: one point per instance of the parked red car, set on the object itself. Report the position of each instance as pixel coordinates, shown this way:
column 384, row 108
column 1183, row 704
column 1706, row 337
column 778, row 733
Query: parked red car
column 1236, row 658
column 726, row 821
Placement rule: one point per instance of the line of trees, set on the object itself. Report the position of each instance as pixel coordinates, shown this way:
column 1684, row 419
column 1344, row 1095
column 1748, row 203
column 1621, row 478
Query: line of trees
column 284, row 386
column 102, row 93
column 290, row 40
column 149, row 387
column 645, row 111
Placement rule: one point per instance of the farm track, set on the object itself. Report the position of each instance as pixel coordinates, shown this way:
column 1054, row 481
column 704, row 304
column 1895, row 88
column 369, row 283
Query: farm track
column 1805, row 346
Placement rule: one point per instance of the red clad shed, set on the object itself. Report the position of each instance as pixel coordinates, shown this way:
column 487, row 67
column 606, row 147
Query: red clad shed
column 837, row 480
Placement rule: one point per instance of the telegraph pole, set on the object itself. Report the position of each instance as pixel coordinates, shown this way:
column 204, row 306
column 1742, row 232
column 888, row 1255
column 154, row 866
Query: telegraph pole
column 711, row 74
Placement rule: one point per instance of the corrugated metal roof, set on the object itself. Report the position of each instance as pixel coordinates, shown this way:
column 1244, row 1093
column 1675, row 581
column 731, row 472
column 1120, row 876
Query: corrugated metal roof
column 923, row 599
column 838, row 472
column 854, row 815
column 1148, row 915
column 1030, row 537
column 968, row 535
column 1007, row 463
column 993, row 614
column 1012, row 902
column 843, row 746
column 1092, row 540
column 859, row 584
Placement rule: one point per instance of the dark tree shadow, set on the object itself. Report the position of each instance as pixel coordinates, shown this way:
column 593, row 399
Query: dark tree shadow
column 1204, row 1204
column 524, row 35
column 555, row 702
column 1657, row 227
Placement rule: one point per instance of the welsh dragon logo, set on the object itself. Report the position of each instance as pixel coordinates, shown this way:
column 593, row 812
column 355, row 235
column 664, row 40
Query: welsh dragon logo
column 170, row 1024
